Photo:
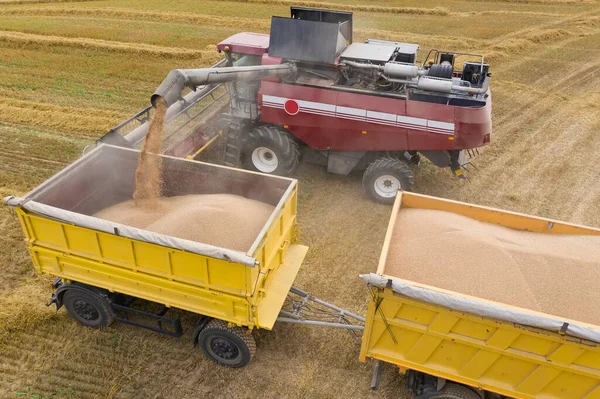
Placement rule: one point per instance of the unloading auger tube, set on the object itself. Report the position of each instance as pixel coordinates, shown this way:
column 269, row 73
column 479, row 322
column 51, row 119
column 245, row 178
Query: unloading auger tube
column 414, row 76
column 178, row 79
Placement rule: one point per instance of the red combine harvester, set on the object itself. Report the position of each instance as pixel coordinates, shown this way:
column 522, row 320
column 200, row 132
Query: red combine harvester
column 306, row 91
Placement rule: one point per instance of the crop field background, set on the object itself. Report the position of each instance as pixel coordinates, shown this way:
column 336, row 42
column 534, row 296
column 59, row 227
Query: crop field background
column 71, row 70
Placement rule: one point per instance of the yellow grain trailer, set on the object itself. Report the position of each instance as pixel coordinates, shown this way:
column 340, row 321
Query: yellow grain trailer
column 103, row 267
column 457, row 346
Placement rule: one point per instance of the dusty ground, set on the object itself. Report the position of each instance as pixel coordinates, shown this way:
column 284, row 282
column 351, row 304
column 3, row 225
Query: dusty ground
column 71, row 70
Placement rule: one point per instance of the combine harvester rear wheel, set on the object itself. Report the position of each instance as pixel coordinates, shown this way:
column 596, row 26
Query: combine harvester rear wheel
column 384, row 177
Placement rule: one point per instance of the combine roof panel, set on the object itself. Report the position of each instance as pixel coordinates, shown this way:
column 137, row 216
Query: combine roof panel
column 246, row 43
column 371, row 52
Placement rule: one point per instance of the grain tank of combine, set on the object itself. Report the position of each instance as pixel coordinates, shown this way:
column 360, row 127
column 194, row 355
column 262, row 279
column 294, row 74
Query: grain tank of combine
column 307, row 91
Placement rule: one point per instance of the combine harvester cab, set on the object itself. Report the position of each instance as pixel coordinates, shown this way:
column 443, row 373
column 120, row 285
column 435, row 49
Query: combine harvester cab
column 458, row 346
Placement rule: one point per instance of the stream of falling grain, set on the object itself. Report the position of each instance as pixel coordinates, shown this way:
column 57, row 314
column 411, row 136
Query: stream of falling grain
column 148, row 180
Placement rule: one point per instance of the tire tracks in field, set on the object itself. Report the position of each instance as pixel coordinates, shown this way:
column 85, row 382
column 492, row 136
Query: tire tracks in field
column 181, row 17
column 188, row 18
column 19, row 40
column 556, row 85
column 542, row 148
column 553, row 31
column 94, row 364
column 396, row 10
column 549, row 144
column 254, row 24
column 13, row 2
column 351, row 7
column 27, row 157
column 79, row 122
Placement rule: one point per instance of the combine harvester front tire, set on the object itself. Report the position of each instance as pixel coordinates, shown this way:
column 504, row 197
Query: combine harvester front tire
column 271, row 149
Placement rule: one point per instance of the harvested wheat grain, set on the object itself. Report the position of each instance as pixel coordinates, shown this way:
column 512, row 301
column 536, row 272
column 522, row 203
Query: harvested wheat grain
column 148, row 176
column 555, row 274
column 223, row 220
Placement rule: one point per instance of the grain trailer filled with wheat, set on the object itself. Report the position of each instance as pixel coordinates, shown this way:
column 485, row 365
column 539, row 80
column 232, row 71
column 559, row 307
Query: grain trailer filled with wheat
column 219, row 242
column 474, row 302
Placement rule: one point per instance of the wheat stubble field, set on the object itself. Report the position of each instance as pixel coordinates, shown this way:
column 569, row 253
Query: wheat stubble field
column 71, row 70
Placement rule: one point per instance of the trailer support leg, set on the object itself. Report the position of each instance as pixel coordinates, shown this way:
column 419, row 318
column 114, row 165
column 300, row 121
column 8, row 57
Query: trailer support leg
column 376, row 375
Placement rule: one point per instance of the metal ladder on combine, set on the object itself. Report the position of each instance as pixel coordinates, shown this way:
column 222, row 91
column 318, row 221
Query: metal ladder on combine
column 233, row 144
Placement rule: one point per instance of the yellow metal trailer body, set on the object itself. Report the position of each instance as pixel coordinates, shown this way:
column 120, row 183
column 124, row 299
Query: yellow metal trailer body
column 507, row 358
column 247, row 293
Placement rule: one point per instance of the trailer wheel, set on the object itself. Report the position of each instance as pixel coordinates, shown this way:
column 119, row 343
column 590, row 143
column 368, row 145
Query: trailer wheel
column 384, row 177
column 271, row 149
column 456, row 391
column 88, row 308
column 228, row 346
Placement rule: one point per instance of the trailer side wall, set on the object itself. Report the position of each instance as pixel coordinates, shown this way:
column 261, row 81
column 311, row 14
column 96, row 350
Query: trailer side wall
column 507, row 358
column 167, row 275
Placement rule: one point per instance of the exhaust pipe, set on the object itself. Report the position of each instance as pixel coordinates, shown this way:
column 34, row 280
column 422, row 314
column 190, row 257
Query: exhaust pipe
column 392, row 70
column 475, row 90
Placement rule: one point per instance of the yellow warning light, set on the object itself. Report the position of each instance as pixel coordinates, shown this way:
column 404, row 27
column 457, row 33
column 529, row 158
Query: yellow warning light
column 285, row 126
column 451, row 138
column 364, row 132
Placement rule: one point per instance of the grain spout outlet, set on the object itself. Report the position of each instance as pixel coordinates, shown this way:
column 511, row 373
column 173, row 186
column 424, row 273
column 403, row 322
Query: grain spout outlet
column 167, row 89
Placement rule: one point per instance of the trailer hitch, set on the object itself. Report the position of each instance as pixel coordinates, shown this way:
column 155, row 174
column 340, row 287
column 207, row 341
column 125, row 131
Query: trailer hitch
column 55, row 298
column 302, row 308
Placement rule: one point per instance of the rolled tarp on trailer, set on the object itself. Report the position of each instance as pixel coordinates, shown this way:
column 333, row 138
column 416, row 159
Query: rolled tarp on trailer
column 122, row 230
column 484, row 308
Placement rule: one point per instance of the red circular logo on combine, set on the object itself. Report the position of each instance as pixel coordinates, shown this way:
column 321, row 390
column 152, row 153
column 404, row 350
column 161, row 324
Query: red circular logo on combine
column 291, row 107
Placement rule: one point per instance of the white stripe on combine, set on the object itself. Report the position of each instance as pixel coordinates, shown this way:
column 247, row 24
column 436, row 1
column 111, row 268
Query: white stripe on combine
column 316, row 112
column 314, row 105
column 273, row 105
column 382, row 116
column 439, row 131
column 358, row 114
column 409, row 120
column 440, row 125
column 274, row 99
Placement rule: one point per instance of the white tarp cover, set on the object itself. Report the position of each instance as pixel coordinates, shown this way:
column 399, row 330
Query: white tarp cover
column 91, row 222
column 484, row 309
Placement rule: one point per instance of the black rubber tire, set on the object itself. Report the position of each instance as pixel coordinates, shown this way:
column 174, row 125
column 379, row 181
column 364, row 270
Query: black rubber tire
column 88, row 308
column 279, row 141
column 456, row 391
column 237, row 343
column 386, row 166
